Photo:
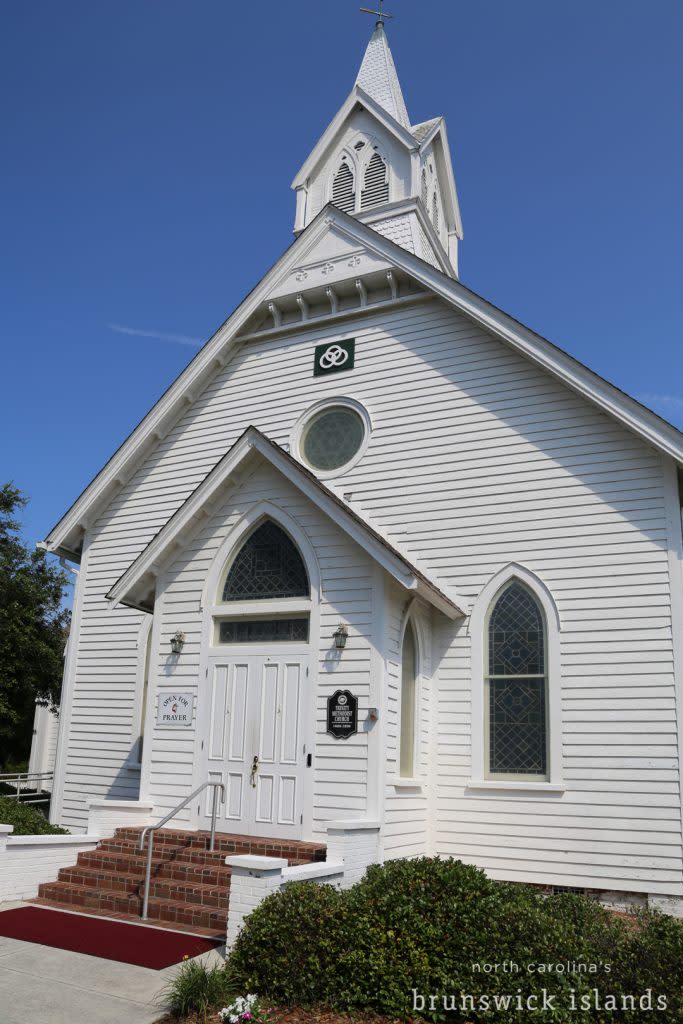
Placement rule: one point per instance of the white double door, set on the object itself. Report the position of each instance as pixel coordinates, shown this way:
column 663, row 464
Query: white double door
column 254, row 742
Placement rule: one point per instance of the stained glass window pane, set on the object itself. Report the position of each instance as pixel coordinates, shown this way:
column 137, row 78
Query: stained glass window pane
column 332, row 438
column 516, row 635
column 517, row 727
column 268, row 565
column 254, row 631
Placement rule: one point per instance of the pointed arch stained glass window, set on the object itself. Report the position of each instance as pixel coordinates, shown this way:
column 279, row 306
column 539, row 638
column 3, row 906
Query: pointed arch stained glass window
column 268, row 565
column 517, row 685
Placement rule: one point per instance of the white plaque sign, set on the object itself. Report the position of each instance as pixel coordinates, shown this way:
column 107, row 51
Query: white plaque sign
column 174, row 710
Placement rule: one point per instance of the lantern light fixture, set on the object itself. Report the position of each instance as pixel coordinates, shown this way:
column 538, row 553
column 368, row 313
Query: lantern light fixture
column 340, row 636
column 177, row 642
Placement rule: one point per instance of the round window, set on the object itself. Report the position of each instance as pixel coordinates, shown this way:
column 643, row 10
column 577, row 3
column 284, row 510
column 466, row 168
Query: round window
column 332, row 437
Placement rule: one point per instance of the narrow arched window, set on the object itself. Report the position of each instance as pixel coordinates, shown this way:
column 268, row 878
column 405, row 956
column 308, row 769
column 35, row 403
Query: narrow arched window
column 268, row 565
column 343, row 189
column 435, row 212
column 516, row 685
column 375, row 184
column 408, row 704
column 424, row 193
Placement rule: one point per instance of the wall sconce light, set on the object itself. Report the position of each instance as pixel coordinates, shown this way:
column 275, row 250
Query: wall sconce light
column 177, row 642
column 341, row 636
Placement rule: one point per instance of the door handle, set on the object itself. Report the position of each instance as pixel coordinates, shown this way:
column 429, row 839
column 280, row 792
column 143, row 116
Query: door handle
column 254, row 770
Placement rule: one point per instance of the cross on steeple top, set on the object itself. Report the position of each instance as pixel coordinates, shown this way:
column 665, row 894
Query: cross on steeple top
column 380, row 14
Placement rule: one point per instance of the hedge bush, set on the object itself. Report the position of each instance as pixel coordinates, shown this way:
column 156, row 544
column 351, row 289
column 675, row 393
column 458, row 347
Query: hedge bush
column 27, row 820
column 422, row 925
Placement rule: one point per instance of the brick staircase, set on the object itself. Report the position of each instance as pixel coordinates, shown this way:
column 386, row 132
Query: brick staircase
column 190, row 885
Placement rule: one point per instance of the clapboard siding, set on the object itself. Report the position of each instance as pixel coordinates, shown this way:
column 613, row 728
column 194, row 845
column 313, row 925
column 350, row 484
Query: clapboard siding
column 477, row 459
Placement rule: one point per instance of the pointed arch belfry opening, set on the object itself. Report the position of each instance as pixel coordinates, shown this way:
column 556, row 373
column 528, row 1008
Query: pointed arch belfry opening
column 344, row 188
column 375, row 183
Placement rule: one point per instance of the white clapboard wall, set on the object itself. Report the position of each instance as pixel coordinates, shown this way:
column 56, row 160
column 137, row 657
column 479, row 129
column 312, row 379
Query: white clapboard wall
column 477, row 458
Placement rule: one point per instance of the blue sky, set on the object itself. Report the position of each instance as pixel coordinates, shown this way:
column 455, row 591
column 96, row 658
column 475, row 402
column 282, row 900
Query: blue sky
column 148, row 147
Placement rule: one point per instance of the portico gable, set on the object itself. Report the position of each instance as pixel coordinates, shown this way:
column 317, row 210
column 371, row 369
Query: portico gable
column 258, row 671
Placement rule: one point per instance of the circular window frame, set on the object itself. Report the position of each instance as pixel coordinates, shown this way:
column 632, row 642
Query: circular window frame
column 297, row 434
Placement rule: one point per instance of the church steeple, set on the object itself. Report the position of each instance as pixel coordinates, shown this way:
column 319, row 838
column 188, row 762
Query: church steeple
column 377, row 76
column 373, row 164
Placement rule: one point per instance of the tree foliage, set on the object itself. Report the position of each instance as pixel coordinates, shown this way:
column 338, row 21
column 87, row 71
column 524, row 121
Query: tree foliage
column 33, row 630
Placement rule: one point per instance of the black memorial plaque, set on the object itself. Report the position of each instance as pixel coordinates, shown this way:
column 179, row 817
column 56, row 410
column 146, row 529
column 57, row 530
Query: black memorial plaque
column 342, row 714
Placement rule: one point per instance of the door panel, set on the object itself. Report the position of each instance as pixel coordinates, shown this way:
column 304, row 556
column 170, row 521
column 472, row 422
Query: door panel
column 288, row 804
column 291, row 713
column 256, row 707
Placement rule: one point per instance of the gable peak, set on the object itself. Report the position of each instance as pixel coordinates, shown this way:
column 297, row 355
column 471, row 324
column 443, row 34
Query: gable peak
column 378, row 78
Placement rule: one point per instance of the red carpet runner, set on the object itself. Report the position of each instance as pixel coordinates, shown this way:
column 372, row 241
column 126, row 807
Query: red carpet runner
column 111, row 940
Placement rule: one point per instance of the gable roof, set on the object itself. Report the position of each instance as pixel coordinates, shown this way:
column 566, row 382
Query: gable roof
column 136, row 582
column 65, row 538
column 377, row 76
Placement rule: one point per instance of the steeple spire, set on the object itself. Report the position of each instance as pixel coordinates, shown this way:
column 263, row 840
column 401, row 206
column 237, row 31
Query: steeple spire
column 377, row 77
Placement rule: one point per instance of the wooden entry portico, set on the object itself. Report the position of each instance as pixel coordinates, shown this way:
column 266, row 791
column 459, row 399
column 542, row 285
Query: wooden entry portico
column 254, row 743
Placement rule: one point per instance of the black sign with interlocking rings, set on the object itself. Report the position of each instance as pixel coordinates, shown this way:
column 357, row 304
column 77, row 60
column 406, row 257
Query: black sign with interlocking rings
column 334, row 356
column 342, row 715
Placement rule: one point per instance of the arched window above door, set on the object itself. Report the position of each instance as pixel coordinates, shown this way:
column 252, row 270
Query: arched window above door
column 268, row 565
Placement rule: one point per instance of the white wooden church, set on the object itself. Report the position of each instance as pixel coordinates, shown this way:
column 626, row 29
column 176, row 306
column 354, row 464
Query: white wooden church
column 399, row 574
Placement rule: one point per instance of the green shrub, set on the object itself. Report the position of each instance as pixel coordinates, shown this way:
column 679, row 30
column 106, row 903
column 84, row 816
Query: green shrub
column 423, row 924
column 27, row 820
column 199, row 989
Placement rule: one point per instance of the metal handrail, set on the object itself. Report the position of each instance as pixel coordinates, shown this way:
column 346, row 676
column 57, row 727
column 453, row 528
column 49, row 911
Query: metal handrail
column 21, row 780
column 151, row 829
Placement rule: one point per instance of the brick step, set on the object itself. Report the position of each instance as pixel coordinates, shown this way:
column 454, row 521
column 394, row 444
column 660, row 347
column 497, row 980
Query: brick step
column 173, row 926
column 179, row 870
column 200, row 894
column 228, row 843
column 168, row 910
column 162, row 851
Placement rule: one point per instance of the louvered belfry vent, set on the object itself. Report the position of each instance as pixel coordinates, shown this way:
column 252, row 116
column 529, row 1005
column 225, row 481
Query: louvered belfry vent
column 343, row 190
column 376, row 184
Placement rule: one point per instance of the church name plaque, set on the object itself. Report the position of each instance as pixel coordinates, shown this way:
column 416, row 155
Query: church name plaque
column 334, row 356
column 174, row 710
column 342, row 715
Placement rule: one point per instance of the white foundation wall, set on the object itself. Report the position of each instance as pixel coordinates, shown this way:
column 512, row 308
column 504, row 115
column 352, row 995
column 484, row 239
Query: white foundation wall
column 340, row 767
column 477, row 458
